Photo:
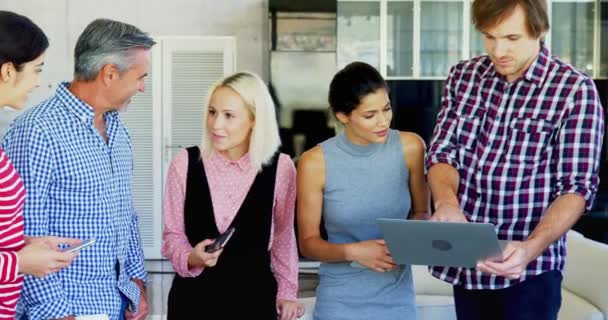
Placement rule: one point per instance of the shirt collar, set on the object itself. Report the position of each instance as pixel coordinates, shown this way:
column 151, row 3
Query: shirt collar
column 539, row 68
column 490, row 71
column 243, row 164
column 76, row 106
column 537, row 71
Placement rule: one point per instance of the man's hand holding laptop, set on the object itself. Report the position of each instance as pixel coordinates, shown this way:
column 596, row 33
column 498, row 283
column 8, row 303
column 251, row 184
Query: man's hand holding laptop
column 515, row 259
column 515, row 256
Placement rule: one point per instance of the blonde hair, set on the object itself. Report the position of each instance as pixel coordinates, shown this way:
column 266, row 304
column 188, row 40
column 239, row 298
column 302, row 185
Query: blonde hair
column 265, row 140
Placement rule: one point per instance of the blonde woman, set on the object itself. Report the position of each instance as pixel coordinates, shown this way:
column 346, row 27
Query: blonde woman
column 235, row 179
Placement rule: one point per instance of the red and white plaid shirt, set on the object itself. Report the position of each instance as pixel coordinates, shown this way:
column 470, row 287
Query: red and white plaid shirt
column 517, row 147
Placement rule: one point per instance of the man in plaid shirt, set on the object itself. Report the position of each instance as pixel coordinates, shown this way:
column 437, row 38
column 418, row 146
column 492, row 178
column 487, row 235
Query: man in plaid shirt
column 517, row 144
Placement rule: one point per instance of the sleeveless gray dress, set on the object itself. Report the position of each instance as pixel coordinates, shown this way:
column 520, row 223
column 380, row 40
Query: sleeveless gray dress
column 363, row 183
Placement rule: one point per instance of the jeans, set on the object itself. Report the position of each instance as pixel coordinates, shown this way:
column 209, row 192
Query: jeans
column 123, row 307
column 537, row 298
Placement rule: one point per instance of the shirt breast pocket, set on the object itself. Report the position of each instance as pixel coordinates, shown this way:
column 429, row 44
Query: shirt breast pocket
column 83, row 172
column 528, row 140
column 467, row 130
column 468, row 125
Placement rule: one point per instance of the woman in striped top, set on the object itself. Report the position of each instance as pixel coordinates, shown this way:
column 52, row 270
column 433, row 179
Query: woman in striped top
column 22, row 48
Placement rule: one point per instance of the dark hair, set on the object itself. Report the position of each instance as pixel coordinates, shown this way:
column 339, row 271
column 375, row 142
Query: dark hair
column 488, row 13
column 351, row 84
column 21, row 40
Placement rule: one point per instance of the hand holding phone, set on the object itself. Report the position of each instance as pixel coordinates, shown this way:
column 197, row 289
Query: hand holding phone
column 220, row 241
column 82, row 245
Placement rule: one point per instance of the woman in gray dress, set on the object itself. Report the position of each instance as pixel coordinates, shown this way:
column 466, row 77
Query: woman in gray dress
column 367, row 172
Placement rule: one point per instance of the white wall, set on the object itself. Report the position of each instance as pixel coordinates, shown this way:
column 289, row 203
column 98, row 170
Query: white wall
column 64, row 20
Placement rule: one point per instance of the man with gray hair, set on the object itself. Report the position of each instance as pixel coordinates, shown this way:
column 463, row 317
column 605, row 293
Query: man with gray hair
column 75, row 157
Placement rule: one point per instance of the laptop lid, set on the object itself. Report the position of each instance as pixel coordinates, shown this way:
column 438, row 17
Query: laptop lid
column 452, row 244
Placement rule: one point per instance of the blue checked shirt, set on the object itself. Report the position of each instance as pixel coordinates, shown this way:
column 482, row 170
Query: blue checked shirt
column 78, row 186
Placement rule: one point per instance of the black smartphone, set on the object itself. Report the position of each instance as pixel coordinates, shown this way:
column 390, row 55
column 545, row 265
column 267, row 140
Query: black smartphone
column 220, row 241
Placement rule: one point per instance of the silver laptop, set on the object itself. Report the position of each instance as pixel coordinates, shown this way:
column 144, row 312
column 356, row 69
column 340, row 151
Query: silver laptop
column 440, row 243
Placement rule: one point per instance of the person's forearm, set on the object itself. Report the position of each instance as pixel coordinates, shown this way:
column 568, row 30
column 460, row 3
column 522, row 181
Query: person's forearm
column 443, row 181
column 321, row 250
column 284, row 261
column 559, row 218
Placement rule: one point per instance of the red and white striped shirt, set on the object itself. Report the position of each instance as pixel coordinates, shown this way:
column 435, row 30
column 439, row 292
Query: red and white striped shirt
column 12, row 197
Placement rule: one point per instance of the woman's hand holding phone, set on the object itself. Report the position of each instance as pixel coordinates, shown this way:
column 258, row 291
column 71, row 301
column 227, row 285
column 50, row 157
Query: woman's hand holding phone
column 199, row 258
column 220, row 241
column 42, row 255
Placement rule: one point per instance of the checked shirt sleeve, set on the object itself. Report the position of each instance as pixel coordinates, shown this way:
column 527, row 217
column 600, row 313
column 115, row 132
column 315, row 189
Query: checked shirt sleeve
column 32, row 156
column 443, row 148
column 579, row 144
column 135, row 264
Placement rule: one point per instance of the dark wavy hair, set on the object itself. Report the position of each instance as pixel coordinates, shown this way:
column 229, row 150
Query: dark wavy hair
column 351, row 84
